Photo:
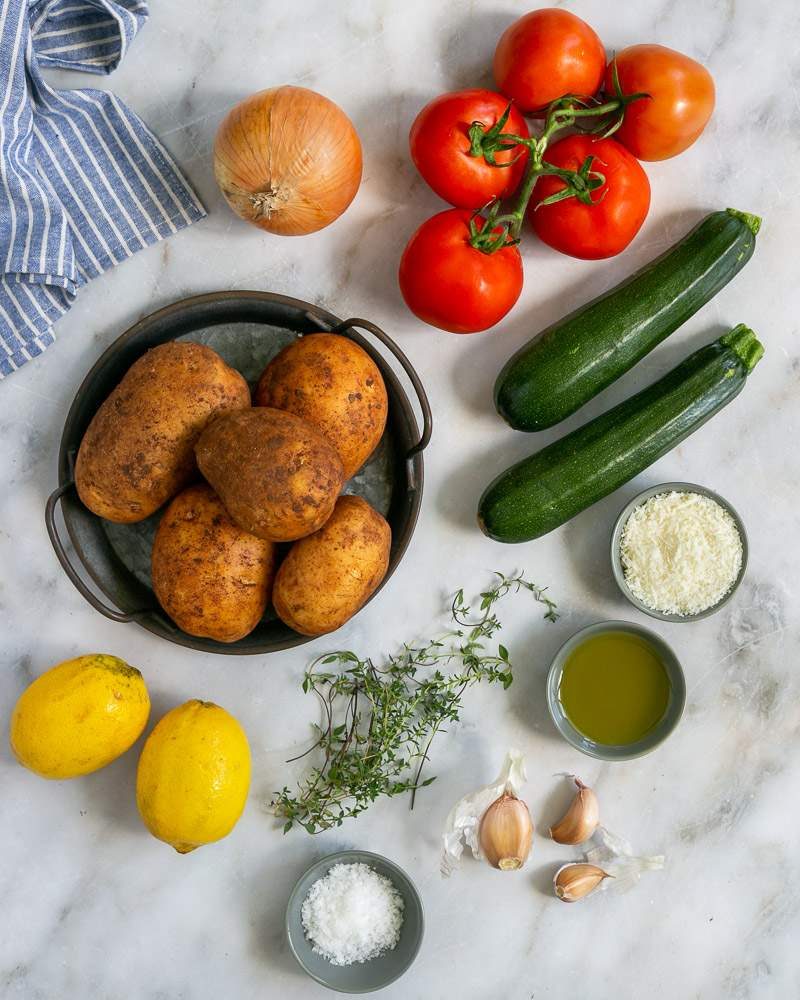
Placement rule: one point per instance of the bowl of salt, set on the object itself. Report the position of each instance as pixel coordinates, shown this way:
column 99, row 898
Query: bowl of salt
column 354, row 921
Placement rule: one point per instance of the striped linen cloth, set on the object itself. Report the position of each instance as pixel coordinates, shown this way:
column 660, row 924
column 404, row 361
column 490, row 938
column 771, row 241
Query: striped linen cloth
column 83, row 183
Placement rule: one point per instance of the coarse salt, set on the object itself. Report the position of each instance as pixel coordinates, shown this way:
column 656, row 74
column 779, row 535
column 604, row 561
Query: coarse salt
column 352, row 914
column 681, row 553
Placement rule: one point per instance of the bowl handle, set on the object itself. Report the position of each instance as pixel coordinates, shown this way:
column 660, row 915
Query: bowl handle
column 69, row 569
column 408, row 368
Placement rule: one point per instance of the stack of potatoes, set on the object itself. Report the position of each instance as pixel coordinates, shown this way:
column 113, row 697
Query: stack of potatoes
column 273, row 471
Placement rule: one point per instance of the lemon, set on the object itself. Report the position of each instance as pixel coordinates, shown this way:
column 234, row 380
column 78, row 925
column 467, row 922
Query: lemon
column 193, row 776
column 79, row 716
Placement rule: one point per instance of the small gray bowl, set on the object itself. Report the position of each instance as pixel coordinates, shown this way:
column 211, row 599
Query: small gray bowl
column 361, row 977
column 616, row 559
column 657, row 735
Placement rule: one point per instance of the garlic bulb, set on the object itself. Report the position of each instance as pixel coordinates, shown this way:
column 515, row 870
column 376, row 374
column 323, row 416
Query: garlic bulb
column 506, row 833
column 580, row 820
column 463, row 825
column 574, row 881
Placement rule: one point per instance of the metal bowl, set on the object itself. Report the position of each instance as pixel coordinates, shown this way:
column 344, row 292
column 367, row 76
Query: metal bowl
column 657, row 735
column 616, row 559
column 361, row 977
column 247, row 329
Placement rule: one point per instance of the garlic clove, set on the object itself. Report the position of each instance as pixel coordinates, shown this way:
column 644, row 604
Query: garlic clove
column 506, row 833
column 574, row 881
column 580, row 820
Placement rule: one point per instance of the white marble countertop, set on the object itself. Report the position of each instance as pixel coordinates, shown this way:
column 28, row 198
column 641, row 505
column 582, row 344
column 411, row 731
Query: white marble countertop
column 91, row 906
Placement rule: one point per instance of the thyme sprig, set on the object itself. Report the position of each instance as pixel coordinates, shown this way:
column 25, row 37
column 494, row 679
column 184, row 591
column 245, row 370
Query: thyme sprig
column 379, row 721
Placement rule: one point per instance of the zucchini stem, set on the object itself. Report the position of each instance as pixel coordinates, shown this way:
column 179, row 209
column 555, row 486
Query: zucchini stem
column 753, row 222
column 745, row 344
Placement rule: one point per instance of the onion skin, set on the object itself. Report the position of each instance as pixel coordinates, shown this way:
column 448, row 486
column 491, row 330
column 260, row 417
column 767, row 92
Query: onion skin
column 287, row 160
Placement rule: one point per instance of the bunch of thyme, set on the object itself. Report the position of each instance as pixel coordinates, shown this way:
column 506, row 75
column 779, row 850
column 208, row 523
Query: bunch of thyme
column 379, row 721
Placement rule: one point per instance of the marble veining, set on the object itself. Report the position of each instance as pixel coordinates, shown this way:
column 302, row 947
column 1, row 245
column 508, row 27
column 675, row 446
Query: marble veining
column 93, row 908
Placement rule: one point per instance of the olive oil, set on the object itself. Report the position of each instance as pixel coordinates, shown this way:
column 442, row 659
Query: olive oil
column 614, row 688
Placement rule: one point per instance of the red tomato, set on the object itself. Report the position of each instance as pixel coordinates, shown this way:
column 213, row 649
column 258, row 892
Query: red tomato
column 680, row 103
column 618, row 209
column 440, row 148
column 547, row 54
column 448, row 283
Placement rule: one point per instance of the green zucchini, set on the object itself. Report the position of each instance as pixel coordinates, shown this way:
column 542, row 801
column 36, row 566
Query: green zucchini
column 567, row 364
column 543, row 491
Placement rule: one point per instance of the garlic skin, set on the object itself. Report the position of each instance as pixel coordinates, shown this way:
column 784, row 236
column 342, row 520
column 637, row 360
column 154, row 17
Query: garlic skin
column 580, row 820
column 615, row 855
column 574, row 881
column 506, row 832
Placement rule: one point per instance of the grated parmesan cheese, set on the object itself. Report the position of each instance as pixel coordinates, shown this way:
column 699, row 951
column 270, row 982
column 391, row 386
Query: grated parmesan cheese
column 353, row 914
column 681, row 553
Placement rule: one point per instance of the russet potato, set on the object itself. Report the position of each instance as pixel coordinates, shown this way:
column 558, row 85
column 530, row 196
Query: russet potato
column 335, row 385
column 211, row 578
column 328, row 576
column 138, row 450
column 277, row 476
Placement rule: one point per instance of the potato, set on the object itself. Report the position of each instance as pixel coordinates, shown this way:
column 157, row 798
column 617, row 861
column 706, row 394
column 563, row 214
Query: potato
column 326, row 578
column 333, row 384
column 276, row 474
column 211, row 578
column 138, row 451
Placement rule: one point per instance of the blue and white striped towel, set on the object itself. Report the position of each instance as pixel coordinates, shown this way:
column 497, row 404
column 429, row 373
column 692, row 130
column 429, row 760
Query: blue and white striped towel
column 83, row 183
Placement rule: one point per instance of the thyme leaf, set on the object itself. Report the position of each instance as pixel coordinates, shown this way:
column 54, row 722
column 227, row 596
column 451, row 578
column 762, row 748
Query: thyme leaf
column 379, row 720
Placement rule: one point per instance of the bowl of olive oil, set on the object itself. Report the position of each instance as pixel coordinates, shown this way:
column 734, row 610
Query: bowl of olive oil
column 615, row 690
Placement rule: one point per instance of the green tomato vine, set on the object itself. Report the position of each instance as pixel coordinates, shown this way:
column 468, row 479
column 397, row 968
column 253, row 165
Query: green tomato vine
column 491, row 229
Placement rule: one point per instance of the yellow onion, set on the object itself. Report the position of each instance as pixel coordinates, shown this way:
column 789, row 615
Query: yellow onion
column 288, row 160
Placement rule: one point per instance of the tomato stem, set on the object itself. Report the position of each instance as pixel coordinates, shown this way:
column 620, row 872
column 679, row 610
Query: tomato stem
column 504, row 230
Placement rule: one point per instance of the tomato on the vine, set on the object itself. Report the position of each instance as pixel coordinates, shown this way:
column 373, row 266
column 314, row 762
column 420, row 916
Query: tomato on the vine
column 440, row 145
column 450, row 284
column 679, row 105
column 618, row 206
column 547, row 54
